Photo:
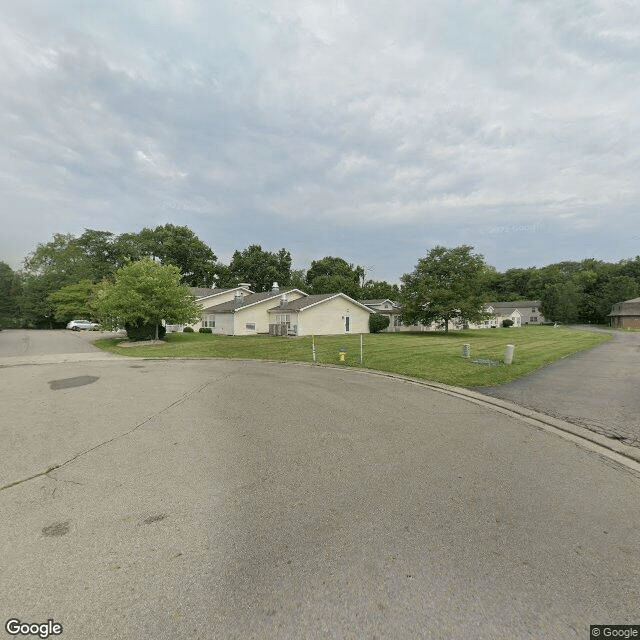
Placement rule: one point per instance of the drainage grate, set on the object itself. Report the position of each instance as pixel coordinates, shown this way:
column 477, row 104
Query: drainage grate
column 486, row 363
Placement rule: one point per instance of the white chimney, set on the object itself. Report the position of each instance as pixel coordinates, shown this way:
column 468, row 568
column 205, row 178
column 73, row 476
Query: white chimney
column 283, row 299
column 238, row 297
column 275, row 288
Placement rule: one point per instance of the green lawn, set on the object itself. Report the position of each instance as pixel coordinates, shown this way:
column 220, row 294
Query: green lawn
column 433, row 356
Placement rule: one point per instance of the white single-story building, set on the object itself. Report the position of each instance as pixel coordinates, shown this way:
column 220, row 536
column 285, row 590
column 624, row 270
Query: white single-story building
column 246, row 314
column 209, row 297
column 322, row 314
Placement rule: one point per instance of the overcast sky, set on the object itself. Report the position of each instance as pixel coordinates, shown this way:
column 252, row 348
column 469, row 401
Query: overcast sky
column 367, row 130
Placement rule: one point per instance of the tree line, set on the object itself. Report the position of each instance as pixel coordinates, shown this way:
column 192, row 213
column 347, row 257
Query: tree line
column 60, row 278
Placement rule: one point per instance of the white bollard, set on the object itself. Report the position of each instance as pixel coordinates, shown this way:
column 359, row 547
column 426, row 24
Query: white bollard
column 508, row 354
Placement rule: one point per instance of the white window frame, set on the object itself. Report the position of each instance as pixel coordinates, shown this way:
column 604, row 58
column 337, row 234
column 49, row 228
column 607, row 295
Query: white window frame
column 250, row 326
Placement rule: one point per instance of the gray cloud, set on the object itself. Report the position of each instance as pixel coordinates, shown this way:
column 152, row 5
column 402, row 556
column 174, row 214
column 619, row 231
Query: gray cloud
column 330, row 128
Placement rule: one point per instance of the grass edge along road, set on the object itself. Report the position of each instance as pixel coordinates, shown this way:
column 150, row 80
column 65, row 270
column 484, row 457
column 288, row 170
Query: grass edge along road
column 428, row 355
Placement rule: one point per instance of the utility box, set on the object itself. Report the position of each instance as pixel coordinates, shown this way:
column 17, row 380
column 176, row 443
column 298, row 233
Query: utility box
column 508, row 354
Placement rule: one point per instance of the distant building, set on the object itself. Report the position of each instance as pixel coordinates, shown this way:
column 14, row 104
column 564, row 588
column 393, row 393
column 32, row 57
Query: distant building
column 626, row 315
column 520, row 312
column 393, row 310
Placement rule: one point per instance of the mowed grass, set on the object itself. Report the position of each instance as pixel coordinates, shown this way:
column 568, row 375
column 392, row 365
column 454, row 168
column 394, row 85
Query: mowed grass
column 432, row 356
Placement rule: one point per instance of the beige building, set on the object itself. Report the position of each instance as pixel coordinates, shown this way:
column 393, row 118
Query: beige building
column 247, row 314
column 626, row 315
column 322, row 314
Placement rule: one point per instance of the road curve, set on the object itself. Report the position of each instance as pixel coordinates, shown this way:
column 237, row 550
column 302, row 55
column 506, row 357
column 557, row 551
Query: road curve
column 227, row 499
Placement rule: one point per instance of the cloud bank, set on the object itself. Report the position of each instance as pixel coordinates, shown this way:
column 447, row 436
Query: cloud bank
column 370, row 131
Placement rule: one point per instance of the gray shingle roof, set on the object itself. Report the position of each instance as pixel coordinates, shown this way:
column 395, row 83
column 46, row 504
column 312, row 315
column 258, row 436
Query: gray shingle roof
column 248, row 300
column 204, row 292
column 626, row 308
column 377, row 301
column 301, row 303
column 308, row 301
column 515, row 304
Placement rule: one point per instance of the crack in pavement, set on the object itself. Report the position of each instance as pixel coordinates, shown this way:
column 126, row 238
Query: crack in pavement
column 73, row 458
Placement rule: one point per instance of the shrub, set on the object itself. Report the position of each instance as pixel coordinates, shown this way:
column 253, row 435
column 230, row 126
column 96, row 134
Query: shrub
column 143, row 331
column 187, row 330
column 507, row 323
column 378, row 322
column 205, row 330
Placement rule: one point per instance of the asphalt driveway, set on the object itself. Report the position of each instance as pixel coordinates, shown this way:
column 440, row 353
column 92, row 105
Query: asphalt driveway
column 598, row 389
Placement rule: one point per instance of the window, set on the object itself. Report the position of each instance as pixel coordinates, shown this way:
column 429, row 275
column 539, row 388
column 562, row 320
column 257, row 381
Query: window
column 533, row 319
column 286, row 318
column 396, row 321
column 208, row 320
column 347, row 324
column 250, row 326
column 533, row 309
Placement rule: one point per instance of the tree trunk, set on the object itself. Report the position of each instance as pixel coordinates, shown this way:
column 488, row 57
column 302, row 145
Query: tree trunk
column 156, row 330
column 446, row 325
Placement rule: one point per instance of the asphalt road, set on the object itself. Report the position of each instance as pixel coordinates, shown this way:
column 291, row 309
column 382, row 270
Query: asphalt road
column 227, row 499
column 598, row 389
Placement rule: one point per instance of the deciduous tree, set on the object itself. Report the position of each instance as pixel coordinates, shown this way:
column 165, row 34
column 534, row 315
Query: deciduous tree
column 257, row 267
column 145, row 293
column 446, row 284
column 330, row 275
column 74, row 301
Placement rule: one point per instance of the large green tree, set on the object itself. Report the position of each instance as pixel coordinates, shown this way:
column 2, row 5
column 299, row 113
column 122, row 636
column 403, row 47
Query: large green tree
column 446, row 284
column 331, row 275
column 145, row 293
column 10, row 288
column 379, row 289
column 257, row 267
column 181, row 247
column 35, row 308
column 74, row 301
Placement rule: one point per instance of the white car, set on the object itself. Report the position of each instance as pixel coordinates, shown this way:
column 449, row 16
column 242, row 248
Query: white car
column 77, row 325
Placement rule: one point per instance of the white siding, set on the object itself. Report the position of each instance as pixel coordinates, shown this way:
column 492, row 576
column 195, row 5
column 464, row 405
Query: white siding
column 212, row 301
column 224, row 324
column 327, row 318
column 258, row 314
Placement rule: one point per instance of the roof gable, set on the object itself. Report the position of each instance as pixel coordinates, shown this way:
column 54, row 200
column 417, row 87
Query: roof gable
column 204, row 292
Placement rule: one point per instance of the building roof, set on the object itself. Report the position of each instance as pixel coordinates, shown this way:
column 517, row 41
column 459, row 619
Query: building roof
column 253, row 298
column 515, row 304
column 309, row 301
column 626, row 308
column 205, row 292
column 377, row 301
